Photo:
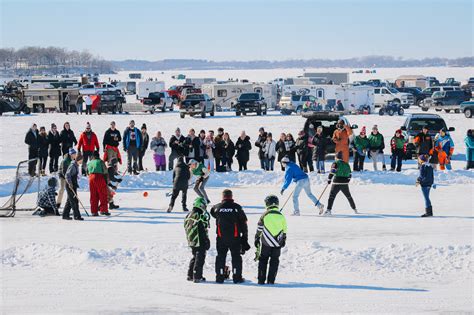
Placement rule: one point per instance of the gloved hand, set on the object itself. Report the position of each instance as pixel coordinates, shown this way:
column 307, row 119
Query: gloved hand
column 244, row 245
column 119, row 180
column 329, row 182
column 282, row 191
column 257, row 241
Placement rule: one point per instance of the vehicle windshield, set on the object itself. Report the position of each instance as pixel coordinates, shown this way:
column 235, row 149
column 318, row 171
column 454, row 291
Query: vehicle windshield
column 195, row 97
column 154, row 95
column 249, row 97
column 438, row 94
column 393, row 90
column 433, row 124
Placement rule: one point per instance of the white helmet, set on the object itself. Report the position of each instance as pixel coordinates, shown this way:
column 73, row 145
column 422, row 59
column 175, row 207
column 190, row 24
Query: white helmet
column 285, row 159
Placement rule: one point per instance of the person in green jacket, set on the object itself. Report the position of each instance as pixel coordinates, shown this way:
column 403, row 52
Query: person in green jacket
column 196, row 225
column 361, row 145
column 398, row 144
column 376, row 147
column 98, row 177
column 269, row 240
column 341, row 171
column 202, row 173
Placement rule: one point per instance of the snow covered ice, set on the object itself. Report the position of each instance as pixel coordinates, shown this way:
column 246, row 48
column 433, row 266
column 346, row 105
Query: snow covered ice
column 386, row 259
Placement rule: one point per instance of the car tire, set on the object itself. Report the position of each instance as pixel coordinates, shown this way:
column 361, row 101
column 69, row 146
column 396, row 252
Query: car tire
column 447, row 110
column 203, row 115
column 213, row 111
column 391, row 112
column 182, row 115
column 237, row 113
column 438, row 109
column 425, row 109
column 457, row 111
column 468, row 113
column 381, row 112
column 401, row 112
column 27, row 110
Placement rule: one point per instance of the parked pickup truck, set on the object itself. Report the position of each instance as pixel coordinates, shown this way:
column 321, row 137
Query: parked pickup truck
column 450, row 82
column 446, row 100
column 197, row 104
column 111, row 101
column 96, row 88
column 383, row 95
column 160, row 100
column 467, row 108
column 250, row 103
column 179, row 92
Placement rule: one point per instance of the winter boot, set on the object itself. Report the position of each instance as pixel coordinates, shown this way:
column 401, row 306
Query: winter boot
column 238, row 279
column 296, row 214
column 219, row 278
column 95, row 214
column 113, row 206
column 320, row 206
column 170, row 208
column 185, row 209
column 199, row 280
column 105, row 213
column 384, row 168
column 261, row 282
column 355, row 211
column 135, row 172
column 429, row 212
column 189, row 278
column 79, row 219
column 67, row 218
column 328, row 212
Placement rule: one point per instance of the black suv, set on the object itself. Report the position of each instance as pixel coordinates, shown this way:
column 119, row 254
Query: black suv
column 111, row 101
column 416, row 92
column 328, row 120
column 446, row 100
column 250, row 103
column 413, row 125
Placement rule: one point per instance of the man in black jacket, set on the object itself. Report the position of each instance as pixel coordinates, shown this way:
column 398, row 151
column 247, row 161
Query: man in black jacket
column 54, row 140
column 260, row 143
column 68, row 139
column 111, row 141
column 181, row 176
column 32, row 140
column 192, row 145
column 232, row 234
column 176, row 144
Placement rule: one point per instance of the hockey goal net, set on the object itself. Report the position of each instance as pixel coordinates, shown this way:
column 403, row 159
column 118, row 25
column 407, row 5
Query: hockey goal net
column 24, row 191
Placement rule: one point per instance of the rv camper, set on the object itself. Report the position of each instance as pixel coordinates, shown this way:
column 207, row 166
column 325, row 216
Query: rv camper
column 356, row 98
column 147, row 87
column 198, row 82
column 412, row 81
column 331, row 77
column 129, row 87
column 44, row 100
column 226, row 94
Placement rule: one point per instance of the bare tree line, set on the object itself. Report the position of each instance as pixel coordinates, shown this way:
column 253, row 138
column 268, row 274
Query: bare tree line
column 50, row 60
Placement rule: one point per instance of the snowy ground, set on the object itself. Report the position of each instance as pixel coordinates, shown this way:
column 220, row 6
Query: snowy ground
column 385, row 259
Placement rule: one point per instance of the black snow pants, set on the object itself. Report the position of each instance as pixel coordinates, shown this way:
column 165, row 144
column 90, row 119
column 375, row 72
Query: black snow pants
column 335, row 189
column 32, row 154
column 272, row 254
column 358, row 162
column 222, row 249
column 196, row 263
column 397, row 159
column 72, row 202
column 175, row 194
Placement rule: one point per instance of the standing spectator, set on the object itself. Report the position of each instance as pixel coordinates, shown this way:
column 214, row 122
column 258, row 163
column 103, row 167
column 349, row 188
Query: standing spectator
column 281, row 149
column 290, row 145
column 132, row 142
column 43, row 150
column 143, row 147
column 219, row 151
column 310, row 146
column 444, row 146
column 202, row 149
column 54, row 140
column 111, row 142
column 423, row 143
column 319, row 151
column 243, row 147
column 158, row 145
column 176, row 144
column 376, row 145
column 79, row 104
column 269, row 151
column 302, row 151
column 71, row 188
column 229, row 151
column 192, row 146
column 426, row 180
column 209, row 152
column 66, row 103
column 469, row 141
column 67, row 159
column 398, row 145
column 232, row 234
column 32, row 140
column 88, row 143
column 262, row 136
column 88, row 102
column 181, row 177
column 68, row 139
column 361, row 145
column 98, row 177
column 341, row 137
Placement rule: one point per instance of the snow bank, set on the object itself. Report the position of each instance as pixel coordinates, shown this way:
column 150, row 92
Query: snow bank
column 408, row 260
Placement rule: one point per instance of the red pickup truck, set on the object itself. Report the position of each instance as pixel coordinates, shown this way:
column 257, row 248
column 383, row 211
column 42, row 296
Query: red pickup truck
column 179, row 92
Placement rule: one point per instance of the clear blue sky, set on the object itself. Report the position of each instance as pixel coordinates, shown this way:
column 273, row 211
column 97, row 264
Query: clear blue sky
column 242, row 30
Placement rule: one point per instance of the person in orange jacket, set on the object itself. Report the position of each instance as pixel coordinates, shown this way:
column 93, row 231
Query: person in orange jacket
column 444, row 146
column 341, row 138
column 88, row 143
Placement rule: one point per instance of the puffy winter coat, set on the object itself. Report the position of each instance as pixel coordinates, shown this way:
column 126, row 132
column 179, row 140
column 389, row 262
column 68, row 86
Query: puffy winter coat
column 376, row 142
column 302, row 145
column 181, row 175
column 127, row 138
column 88, row 142
column 54, row 144
column 158, row 145
column 229, row 148
column 145, row 142
column 293, row 173
column 426, row 177
column 290, row 146
column 469, row 141
column 341, row 139
column 43, row 145
column 177, row 148
column 319, row 150
column 272, row 228
column 444, row 143
column 112, row 138
column 259, row 144
column 219, row 150
column 398, row 143
column 68, row 140
column 243, row 148
column 196, row 225
column 423, row 143
column 361, row 144
column 269, row 149
column 281, row 149
column 32, row 140
column 192, row 146
column 231, row 222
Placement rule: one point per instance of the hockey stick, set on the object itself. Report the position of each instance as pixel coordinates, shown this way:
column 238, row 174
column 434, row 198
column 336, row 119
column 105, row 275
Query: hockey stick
column 319, row 199
column 170, row 193
column 75, row 196
column 287, row 199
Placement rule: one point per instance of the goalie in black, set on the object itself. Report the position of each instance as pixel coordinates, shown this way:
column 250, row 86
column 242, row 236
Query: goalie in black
column 47, row 200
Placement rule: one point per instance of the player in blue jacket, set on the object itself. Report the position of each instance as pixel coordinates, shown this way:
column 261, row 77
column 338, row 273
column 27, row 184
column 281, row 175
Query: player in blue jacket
column 426, row 181
column 295, row 174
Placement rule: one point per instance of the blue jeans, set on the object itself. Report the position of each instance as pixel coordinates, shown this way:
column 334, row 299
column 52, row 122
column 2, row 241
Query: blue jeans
column 303, row 184
column 268, row 164
column 426, row 194
column 319, row 166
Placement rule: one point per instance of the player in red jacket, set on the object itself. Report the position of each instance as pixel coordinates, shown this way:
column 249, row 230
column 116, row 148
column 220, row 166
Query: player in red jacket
column 88, row 143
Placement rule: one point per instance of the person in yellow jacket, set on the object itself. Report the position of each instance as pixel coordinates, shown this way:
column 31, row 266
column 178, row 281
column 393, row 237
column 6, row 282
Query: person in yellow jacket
column 269, row 239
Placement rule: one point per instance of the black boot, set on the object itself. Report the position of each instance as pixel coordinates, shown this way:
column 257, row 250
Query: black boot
column 113, row 206
column 429, row 212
